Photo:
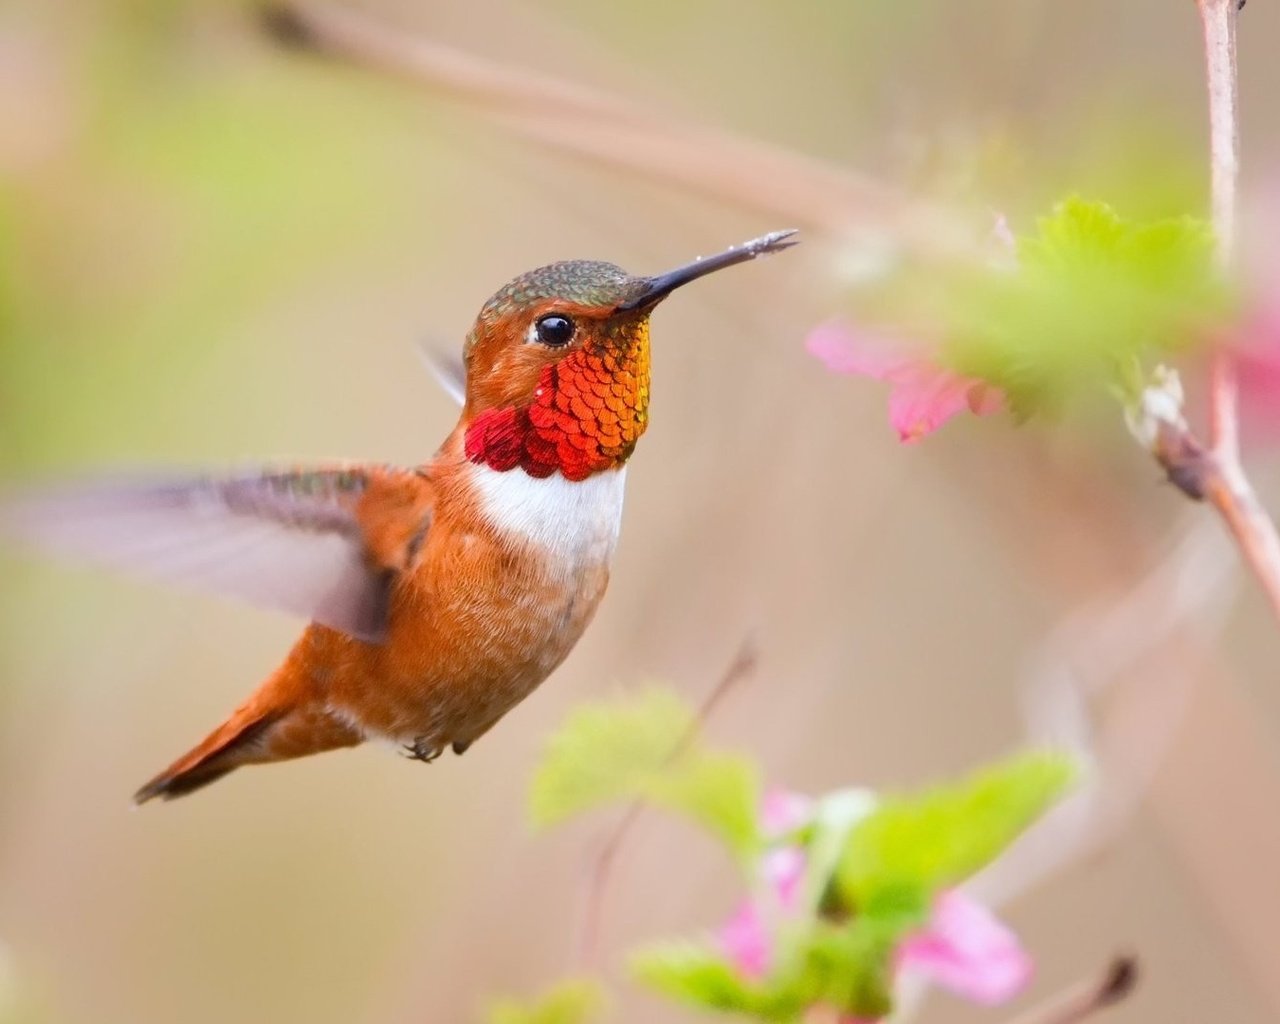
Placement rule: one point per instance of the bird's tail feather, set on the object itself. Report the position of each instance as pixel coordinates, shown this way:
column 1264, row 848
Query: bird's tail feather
column 226, row 748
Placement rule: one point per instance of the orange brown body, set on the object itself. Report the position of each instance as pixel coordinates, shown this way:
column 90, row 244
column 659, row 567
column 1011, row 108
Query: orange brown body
column 477, row 619
column 441, row 595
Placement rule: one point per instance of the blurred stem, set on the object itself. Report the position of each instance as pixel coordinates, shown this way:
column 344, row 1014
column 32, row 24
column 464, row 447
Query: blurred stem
column 1087, row 997
column 743, row 664
column 1218, row 18
column 590, row 124
column 1216, row 473
column 1229, row 489
column 1155, row 637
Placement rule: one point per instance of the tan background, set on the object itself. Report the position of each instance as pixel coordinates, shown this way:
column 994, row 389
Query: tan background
column 214, row 253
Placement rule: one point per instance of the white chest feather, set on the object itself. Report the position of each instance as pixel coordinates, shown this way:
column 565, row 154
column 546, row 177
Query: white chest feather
column 575, row 521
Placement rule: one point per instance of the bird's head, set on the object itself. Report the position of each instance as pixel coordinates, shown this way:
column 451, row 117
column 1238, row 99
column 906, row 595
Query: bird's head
column 558, row 363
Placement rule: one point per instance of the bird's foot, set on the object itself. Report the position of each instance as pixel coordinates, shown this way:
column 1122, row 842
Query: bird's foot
column 422, row 750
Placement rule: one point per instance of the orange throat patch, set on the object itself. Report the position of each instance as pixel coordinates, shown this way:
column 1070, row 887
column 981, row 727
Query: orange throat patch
column 587, row 414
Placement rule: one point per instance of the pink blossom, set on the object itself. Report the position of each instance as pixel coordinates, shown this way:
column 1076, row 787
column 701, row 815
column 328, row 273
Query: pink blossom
column 963, row 948
column 784, row 811
column 746, row 941
column 783, row 871
column 1258, row 357
column 966, row 950
column 745, row 938
column 1002, row 235
column 922, row 396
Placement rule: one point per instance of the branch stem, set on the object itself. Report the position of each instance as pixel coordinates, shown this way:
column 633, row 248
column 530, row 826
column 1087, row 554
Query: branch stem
column 593, row 126
column 1216, row 473
column 743, row 664
column 1218, row 19
column 1087, row 997
column 1230, row 492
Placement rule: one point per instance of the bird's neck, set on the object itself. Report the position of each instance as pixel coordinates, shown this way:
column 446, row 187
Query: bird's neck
column 574, row 523
column 585, row 417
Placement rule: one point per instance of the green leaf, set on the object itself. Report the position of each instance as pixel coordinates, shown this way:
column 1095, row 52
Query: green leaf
column 646, row 748
column 1091, row 292
column 913, row 846
column 1077, row 232
column 851, row 967
column 847, row 965
column 718, row 790
column 575, row 1001
column 696, row 975
column 875, row 867
column 607, row 752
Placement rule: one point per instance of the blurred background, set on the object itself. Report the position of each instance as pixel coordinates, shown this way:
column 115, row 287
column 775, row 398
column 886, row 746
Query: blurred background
column 215, row 250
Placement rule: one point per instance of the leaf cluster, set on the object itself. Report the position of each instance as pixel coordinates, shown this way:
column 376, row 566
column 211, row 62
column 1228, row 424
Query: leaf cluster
column 1089, row 299
column 874, row 866
column 647, row 748
column 573, row 1001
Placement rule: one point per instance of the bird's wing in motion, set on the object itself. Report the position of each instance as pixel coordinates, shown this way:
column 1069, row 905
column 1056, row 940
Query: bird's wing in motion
column 321, row 542
column 447, row 368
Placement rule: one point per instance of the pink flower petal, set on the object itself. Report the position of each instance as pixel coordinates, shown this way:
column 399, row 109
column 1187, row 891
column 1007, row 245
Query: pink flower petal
column 845, row 349
column 923, row 395
column 783, row 869
column 746, row 942
column 1258, row 357
column 966, row 950
column 782, row 811
column 985, row 399
column 923, row 400
column 745, row 938
column 1003, row 235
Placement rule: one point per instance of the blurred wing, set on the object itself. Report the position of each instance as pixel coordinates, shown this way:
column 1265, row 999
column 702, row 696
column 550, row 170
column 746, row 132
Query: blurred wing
column 322, row 543
column 448, row 370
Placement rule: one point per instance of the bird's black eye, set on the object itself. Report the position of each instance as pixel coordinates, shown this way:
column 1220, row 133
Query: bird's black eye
column 554, row 330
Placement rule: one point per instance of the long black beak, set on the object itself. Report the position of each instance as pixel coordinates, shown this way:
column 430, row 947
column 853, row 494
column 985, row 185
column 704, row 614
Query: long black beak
column 655, row 289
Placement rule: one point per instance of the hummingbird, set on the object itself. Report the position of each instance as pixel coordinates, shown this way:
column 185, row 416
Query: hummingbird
column 439, row 595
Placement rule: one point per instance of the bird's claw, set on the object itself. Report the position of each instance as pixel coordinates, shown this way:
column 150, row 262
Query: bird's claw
column 421, row 750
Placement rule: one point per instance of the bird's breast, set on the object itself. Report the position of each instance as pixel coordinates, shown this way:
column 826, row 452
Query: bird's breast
column 509, row 576
column 569, row 521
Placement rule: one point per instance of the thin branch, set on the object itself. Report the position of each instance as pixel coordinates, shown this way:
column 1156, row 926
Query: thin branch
column 1231, row 494
column 1229, row 489
column 1218, row 21
column 1171, row 742
column 1218, row 18
column 1178, row 605
column 1214, row 472
column 592, row 124
column 742, row 666
column 1087, row 997
column 1224, row 403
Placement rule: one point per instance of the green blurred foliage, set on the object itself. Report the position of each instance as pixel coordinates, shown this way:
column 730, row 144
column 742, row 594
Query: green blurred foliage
column 1090, row 298
column 848, row 966
column 604, row 753
column 873, row 867
column 693, row 973
column 647, row 748
column 21, row 1001
column 206, row 175
column 573, row 1001
column 193, row 194
column 912, row 846
column 892, row 865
